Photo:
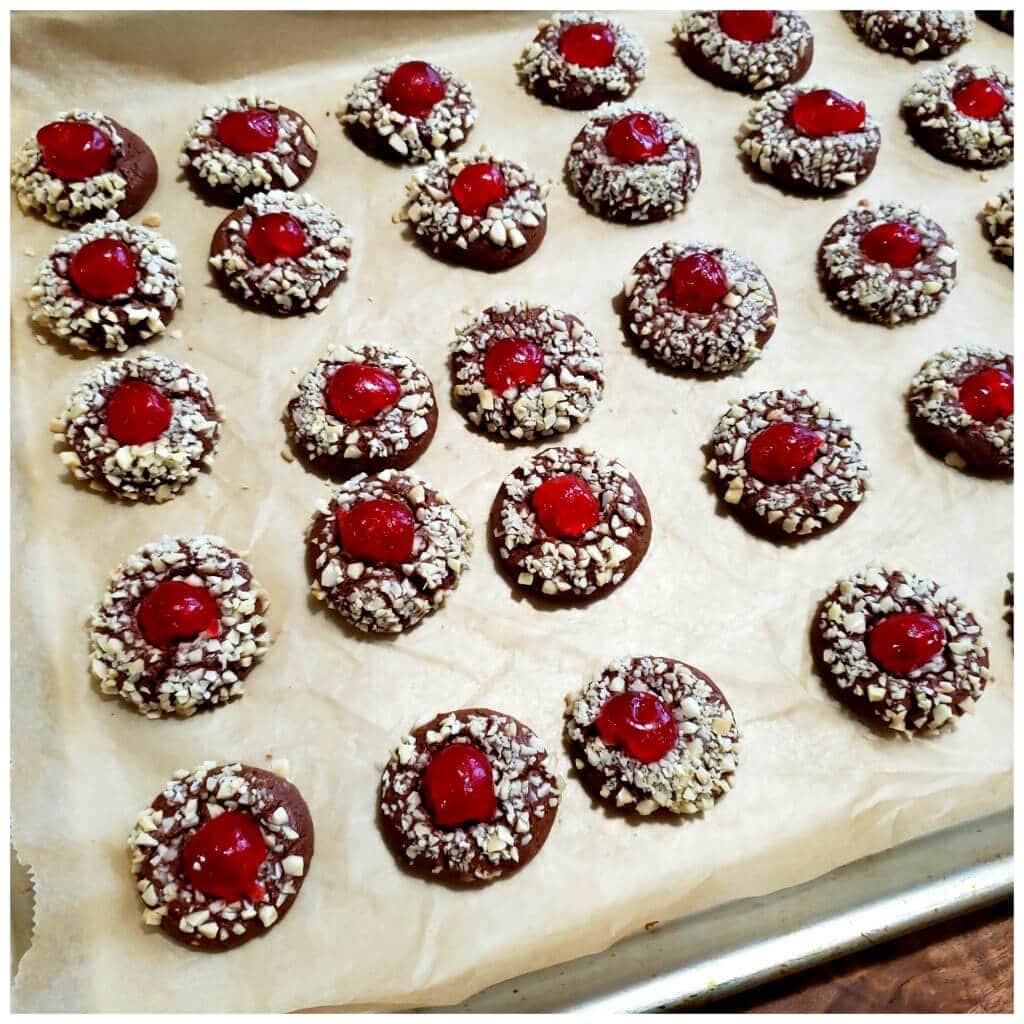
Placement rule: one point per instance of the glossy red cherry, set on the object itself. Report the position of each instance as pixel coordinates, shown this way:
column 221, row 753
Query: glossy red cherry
column 276, row 236
column 175, row 611
column 635, row 138
column 982, row 99
column 248, row 131
column 590, row 45
column 458, row 786
column 478, row 186
column 566, row 506
column 826, row 112
column 414, row 88
column 357, row 392
column 782, row 452
column 747, row 26
column 895, row 242
column 513, row 363
column 137, row 412
column 103, row 268
column 906, row 641
column 74, row 150
column 640, row 723
column 988, row 394
column 697, row 283
column 223, row 857
column 377, row 530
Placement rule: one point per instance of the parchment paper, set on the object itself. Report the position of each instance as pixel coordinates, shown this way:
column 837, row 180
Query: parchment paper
column 814, row 788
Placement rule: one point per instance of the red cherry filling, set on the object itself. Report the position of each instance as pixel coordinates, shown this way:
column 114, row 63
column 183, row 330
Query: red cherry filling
column 458, row 786
column 826, row 112
column 640, row 723
column 103, row 268
column 74, row 150
column 137, row 412
column 566, row 506
column 377, row 530
column 513, row 363
column 988, row 394
column 175, row 611
column 590, row 45
column 248, row 131
column 414, row 88
column 782, row 452
column 276, row 236
column 982, row 99
column 697, row 283
column 357, row 392
column 223, row 857
column 747, row 26
column 895, row 242
column 478, row 186
column 635, row 138
column 906, row 641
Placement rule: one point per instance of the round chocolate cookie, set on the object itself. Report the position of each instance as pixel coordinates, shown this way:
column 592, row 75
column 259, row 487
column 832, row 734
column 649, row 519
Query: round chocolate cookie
column 221, row 854
column 963, row 113
column 961, row 408
column 887, row 262
column 108, row 286
column 281, row 252
column 141, row 427
column 409, row 111
column 484, row 212
column 1002, row 20
column 633, row 164
column 247, row 145
column 787, row 465
column 746, row 50
column 916, row 35
column 699, row 308
column 522, row 371
column 580, row 60
column 810, row 139
column 653, row 734
column 998, row 223
column 180, row 627
column 385, row 551
column 469, row 797
column 82, row 166
column 900, row 650
column 361, row 410
column 570, row 524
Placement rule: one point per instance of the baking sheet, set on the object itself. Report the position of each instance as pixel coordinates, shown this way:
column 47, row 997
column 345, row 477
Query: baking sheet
column 814, row 789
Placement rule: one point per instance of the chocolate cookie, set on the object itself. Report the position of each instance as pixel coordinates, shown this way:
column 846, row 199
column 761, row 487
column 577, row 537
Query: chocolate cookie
column 701, row 308
column 916, row 35
column 469, row 797
column 484, row 212
column 580, row 60
column 281, row 252
column 887, row 262
column 746, row 50
column 221, row 854
column 653, row 735
column 523, row 371
column 180, row 627
column 385, row 551
column 108, row 286
column 787, row 465
column 961, row 408
column 247, row 145
column 998, row 223
column 633, row 164
column 361, row 410
column 810, row 139
column 409, row 111
column 963, row 113
column 1002, row 20
column 570, row 524
column 141, row 427
column 900, row 650
column 83, row 166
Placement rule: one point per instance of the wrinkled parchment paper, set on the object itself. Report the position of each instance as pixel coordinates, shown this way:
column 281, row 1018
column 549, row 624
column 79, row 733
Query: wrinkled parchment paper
column 814, row 788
